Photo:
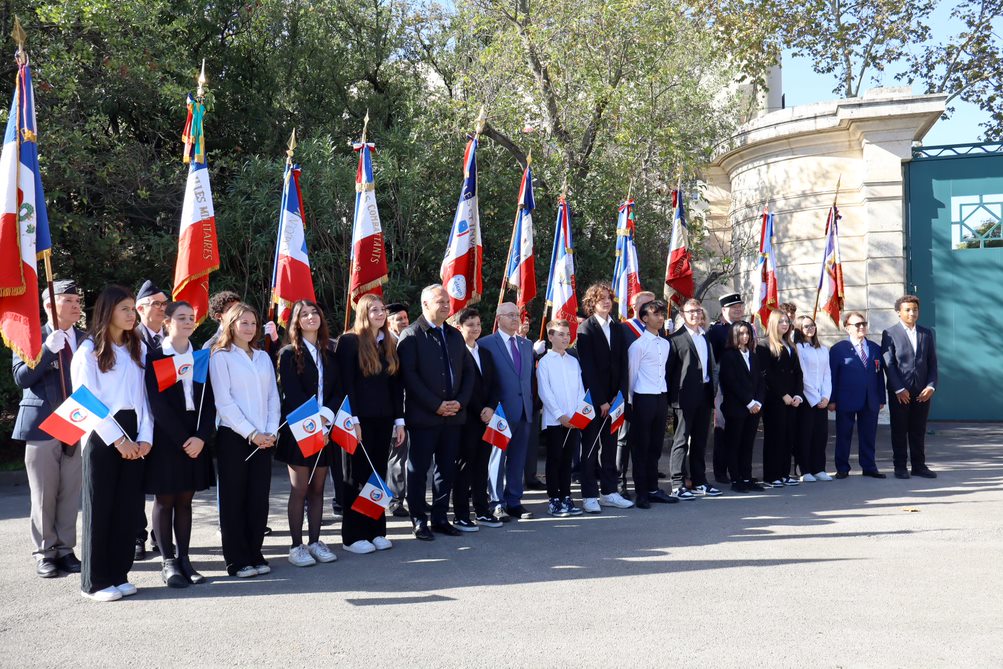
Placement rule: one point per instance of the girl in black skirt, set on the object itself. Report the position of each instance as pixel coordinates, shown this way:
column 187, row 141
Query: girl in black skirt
column 370, row 375
column 110, row 364
column 179, row 465
column 779, row 360
column 307, row 368
column 742, row 391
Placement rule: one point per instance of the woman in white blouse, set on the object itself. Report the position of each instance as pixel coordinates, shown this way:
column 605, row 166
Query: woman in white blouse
column 110, row 364
column 812, row 420
column 247, row 402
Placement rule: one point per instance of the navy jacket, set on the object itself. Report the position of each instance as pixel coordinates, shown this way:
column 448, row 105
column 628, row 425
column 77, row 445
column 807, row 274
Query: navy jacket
column 42, row 392
column 913, row 371
column 856, row 386
column 423, row 371
column 515, row 391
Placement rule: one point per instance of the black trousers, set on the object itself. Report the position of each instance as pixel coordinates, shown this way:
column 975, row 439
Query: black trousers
column 438, row 445
column 908, row 431
column 561, row 446
column 689, row 442
column 243, row 499
column 112, row 500
column 648, row 414
column 598, row 457
column 779, row 437
column 376, row 432
column 472, row 470
column 812, row 436
column 739, row 437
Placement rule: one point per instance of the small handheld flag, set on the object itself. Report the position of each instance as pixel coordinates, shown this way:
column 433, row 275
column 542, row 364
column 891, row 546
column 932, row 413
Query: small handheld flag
column 498, row 432
column 343, row 429
column 305, row 424
column 170, row 370
column 80, row 413
column 374, row 498
column 616, row 413
column 584, row 413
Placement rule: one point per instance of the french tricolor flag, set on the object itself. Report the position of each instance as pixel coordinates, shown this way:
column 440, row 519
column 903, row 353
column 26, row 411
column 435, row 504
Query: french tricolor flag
column 368, row 267
column 584, row 413
column 461, row 267
column 343, row 429
column 561, row 283
column 626, row 276
column 305, row 424
column 678, row 270
column 521, row 272
column 498, row 432
column 291, row 278
column 616, row 413
column 80, row 413
column 170, row 370
column 374, row 498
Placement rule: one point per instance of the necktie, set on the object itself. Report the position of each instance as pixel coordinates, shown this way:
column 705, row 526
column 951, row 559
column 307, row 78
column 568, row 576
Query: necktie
column 862, row 354
column 441, row 336
column 516, row 358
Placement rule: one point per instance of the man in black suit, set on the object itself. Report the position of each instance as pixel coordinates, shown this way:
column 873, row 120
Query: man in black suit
column 910, row 355
column 438, row 380
column 691, row 396
column 54, row 469
column 732, row 311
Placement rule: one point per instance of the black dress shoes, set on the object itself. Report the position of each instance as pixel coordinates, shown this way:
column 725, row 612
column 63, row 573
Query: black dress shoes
column 662, row 497
column 875, row 474
column 535, row 484
column 140, row 552
column 421, row 531
column 446, row 528
column 925, row 473
column 738, row 486
column 902, row 474
column 185, row 564
column 171, row 573
column 642, row 504
column 842, row 475
column 518, row 512
column 47, row 568
column 69, row 563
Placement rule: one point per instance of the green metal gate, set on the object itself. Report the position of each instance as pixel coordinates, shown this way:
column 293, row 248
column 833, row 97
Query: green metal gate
column 954, row 219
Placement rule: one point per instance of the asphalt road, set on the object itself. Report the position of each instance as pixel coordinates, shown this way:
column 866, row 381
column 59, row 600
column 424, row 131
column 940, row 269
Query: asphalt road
column 853, row 573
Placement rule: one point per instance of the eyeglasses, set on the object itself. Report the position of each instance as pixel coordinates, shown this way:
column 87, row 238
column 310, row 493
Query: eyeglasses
column 693, row 311
column 508, row 315
column 861, row 324
column 157, row 305
column 808, row 326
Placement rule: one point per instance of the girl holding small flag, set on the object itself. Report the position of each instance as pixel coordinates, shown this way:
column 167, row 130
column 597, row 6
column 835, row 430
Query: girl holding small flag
column 247, row 401
column 307, row 369
column 370, row 375
column 110, row 364
column 184, row 415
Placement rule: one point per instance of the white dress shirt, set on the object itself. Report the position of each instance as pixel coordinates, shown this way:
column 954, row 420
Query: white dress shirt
column 559, row 378
column 646, row 360
column 816, row 372
column 187, row 382
column 910, row 332
column 247, row 397
column 700, row 342
column 475, row 351
column 120, row 388
column 318, row 361
column 604, row 324
column 748, row 365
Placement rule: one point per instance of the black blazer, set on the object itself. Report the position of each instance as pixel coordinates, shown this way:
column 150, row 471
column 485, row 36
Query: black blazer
column 423, row 371
column 41, row 390
column 604, row 365
column 485, row 392
column 913, row 371
column 718, row 335
column 380, row 396
column 783, row 374
column 168, row 407
column 297, row 387
column 685, row 381
column 740, row 384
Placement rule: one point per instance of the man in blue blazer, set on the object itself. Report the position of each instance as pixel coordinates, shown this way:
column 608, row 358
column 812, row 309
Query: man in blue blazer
column 54, row 469
column 513, row 356
column 857, row 395
column 910, row 355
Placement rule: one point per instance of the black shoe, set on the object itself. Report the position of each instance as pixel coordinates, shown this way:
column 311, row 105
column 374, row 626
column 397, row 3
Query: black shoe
column 185, row 564
column 723, row 479
column 662, row 497
column 925, row 473
column 488, row 520
column 875, row 474
column 901, row 473
column 172, row 574
column 47, row 568
column 753, row 485
column 518, row 512
column 642, row 504
column 535, row 484
column 268, row 530
column 738, row 486
column 625, row 494
column 154, row 546
column 69, row 563
column 421, row 531
column 842, row 475
column 140, row 552
column 446, row 528
column 465, row 525
column 398, row 510
column 661, row 475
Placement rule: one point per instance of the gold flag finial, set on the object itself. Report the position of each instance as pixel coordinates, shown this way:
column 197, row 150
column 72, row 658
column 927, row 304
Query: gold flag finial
column 564, row 187
column 292, row 147
column 529, row 158
column 202, row 81
column 482, row 118
column 20, row 37
column 365, row 126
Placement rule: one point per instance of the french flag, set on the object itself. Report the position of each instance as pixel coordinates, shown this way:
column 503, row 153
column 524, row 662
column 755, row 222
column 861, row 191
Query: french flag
column 584, row 413
column 461, row 270
column 562, row 295
column 374, row 498
column 291, row 278
column 832, row 268
column 368, row 266
column 498, row 432
column 678, row 270
column 766, row 292
column 305, row 424
column 626, row 277
column 343, row 429
column 170, row 370
column 616, row 413
column 521, row 273
column 79, row 413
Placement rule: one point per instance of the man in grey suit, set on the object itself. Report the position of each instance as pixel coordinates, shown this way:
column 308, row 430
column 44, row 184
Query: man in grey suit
column 513, row 357
column 54, row 469
column 910, row 355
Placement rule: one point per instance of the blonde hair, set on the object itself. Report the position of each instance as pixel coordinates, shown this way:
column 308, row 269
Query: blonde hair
column 369, row 348
column 774, row 339
column 229, row 323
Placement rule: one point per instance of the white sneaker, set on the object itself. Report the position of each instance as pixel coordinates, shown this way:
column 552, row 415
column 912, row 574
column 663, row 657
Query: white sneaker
column 683, row 493
column 127, row 589
column 706, row 491
column 262, row 569
column 361, row 547
column 808, row 478
column 822, row 476
column 382, row 544
column 591, row 505
column 320, row 552
column 777, row 484
column 299, row 556
column 615, row 499
column 246, row 572
column 109, row 594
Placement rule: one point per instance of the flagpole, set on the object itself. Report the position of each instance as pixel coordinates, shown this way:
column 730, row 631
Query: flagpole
column 380, row 478
column 511, row 243
column 315, row 463
column 549, row 304
column 259, row 447
column 597, row 438
column 275, row 263
column 821, row 278
column 351, row 241
column 198, row 419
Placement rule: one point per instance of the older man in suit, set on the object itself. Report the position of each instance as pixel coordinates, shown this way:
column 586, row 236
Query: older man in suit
column 513, row 356
column 910, row 356
column 438, row 379
column 54, row 469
